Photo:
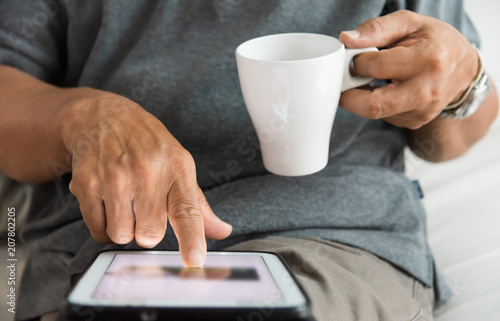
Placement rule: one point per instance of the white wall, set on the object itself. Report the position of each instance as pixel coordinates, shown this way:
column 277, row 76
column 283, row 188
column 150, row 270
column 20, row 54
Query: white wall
column 485, row 14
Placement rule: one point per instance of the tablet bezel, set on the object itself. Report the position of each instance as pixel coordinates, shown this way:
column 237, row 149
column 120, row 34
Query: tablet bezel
column 292, row 294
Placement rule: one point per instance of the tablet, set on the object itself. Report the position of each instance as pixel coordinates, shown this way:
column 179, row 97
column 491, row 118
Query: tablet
column 155, row 285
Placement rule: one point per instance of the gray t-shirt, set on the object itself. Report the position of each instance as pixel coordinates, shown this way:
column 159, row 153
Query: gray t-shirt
column 176, row 59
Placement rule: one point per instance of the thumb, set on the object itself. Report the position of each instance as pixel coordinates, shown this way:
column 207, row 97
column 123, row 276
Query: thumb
column 215, row 228
column 383, row 31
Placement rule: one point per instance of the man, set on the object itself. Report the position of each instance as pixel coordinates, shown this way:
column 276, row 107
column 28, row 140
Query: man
column 129, row 114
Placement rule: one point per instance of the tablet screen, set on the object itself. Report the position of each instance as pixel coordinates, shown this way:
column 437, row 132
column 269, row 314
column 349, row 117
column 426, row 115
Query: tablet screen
column 141, row 278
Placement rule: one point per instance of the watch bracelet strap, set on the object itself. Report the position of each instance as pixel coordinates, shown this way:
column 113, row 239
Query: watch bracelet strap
column 473, row 84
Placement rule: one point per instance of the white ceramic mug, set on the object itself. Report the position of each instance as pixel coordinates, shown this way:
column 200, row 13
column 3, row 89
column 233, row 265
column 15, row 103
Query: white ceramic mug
column 291, row 84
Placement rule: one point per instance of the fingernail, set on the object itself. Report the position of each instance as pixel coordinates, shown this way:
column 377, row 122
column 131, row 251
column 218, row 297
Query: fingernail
column 146, row 243
column 352, row 33
column 196, row 258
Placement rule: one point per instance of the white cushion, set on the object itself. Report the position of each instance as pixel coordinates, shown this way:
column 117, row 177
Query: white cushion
column 462, row 198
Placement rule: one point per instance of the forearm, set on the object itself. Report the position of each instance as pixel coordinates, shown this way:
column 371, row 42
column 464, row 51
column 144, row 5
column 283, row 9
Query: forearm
column 31, row 147
column 129, row 174
column 443, row 139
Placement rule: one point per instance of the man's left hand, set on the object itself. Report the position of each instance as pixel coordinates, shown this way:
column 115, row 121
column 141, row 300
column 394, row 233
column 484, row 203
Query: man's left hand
column 429, row 62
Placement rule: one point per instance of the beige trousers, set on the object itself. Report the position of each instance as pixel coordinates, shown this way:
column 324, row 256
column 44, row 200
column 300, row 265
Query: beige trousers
column 346, row 283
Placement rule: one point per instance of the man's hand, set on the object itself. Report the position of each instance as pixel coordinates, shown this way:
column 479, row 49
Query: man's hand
column 429, row 62
column 130, row 174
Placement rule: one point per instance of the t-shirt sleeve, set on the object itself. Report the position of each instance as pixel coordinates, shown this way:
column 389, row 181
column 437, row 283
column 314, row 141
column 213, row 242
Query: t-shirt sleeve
column 453, row 12
column 32, row 37
column 466, row 27
column 450, row 11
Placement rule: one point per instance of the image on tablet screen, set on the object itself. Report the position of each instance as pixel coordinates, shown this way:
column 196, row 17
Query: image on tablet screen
column 153, row 277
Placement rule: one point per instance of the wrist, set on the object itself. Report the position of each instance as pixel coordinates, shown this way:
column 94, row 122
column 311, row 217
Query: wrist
column 471, row 75
column 76, row 108
column 472, row 98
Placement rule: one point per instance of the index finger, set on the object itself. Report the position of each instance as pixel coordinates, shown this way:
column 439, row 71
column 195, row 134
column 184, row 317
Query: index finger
column 394, row 63
column 187, row 221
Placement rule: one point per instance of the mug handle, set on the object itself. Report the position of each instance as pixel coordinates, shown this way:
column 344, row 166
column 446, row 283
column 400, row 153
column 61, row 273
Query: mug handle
column 349, row 82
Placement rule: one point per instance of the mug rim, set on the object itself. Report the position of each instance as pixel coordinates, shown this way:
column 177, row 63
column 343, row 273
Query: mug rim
column 287, row 34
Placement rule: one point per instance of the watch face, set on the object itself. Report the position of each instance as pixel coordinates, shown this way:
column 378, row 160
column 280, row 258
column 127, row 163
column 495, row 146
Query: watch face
column 478, row 96
column 473, row 101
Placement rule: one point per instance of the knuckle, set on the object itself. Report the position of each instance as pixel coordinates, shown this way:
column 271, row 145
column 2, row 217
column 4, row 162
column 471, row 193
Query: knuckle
column 149, row 231
column 94, row 223
column 374, row 108
column 84, row 185
column 437, row 94
column 182, row 163
column 92, row 182
column 111, row 169
column 373, row 25
column 374, row 111
column 185, row 212
column 431, row 95
column 117, row 183
column 182, row 156
column 148, row 162
column 146, row 166
column 439, row 60
column 73, row 187
column 423, row 96
column 202, row 201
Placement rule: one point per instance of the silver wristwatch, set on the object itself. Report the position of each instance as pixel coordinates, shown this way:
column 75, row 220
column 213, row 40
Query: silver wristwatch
column 473, row 97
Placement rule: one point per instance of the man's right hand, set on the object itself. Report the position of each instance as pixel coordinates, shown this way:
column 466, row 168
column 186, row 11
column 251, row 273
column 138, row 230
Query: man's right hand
column 130, row 174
